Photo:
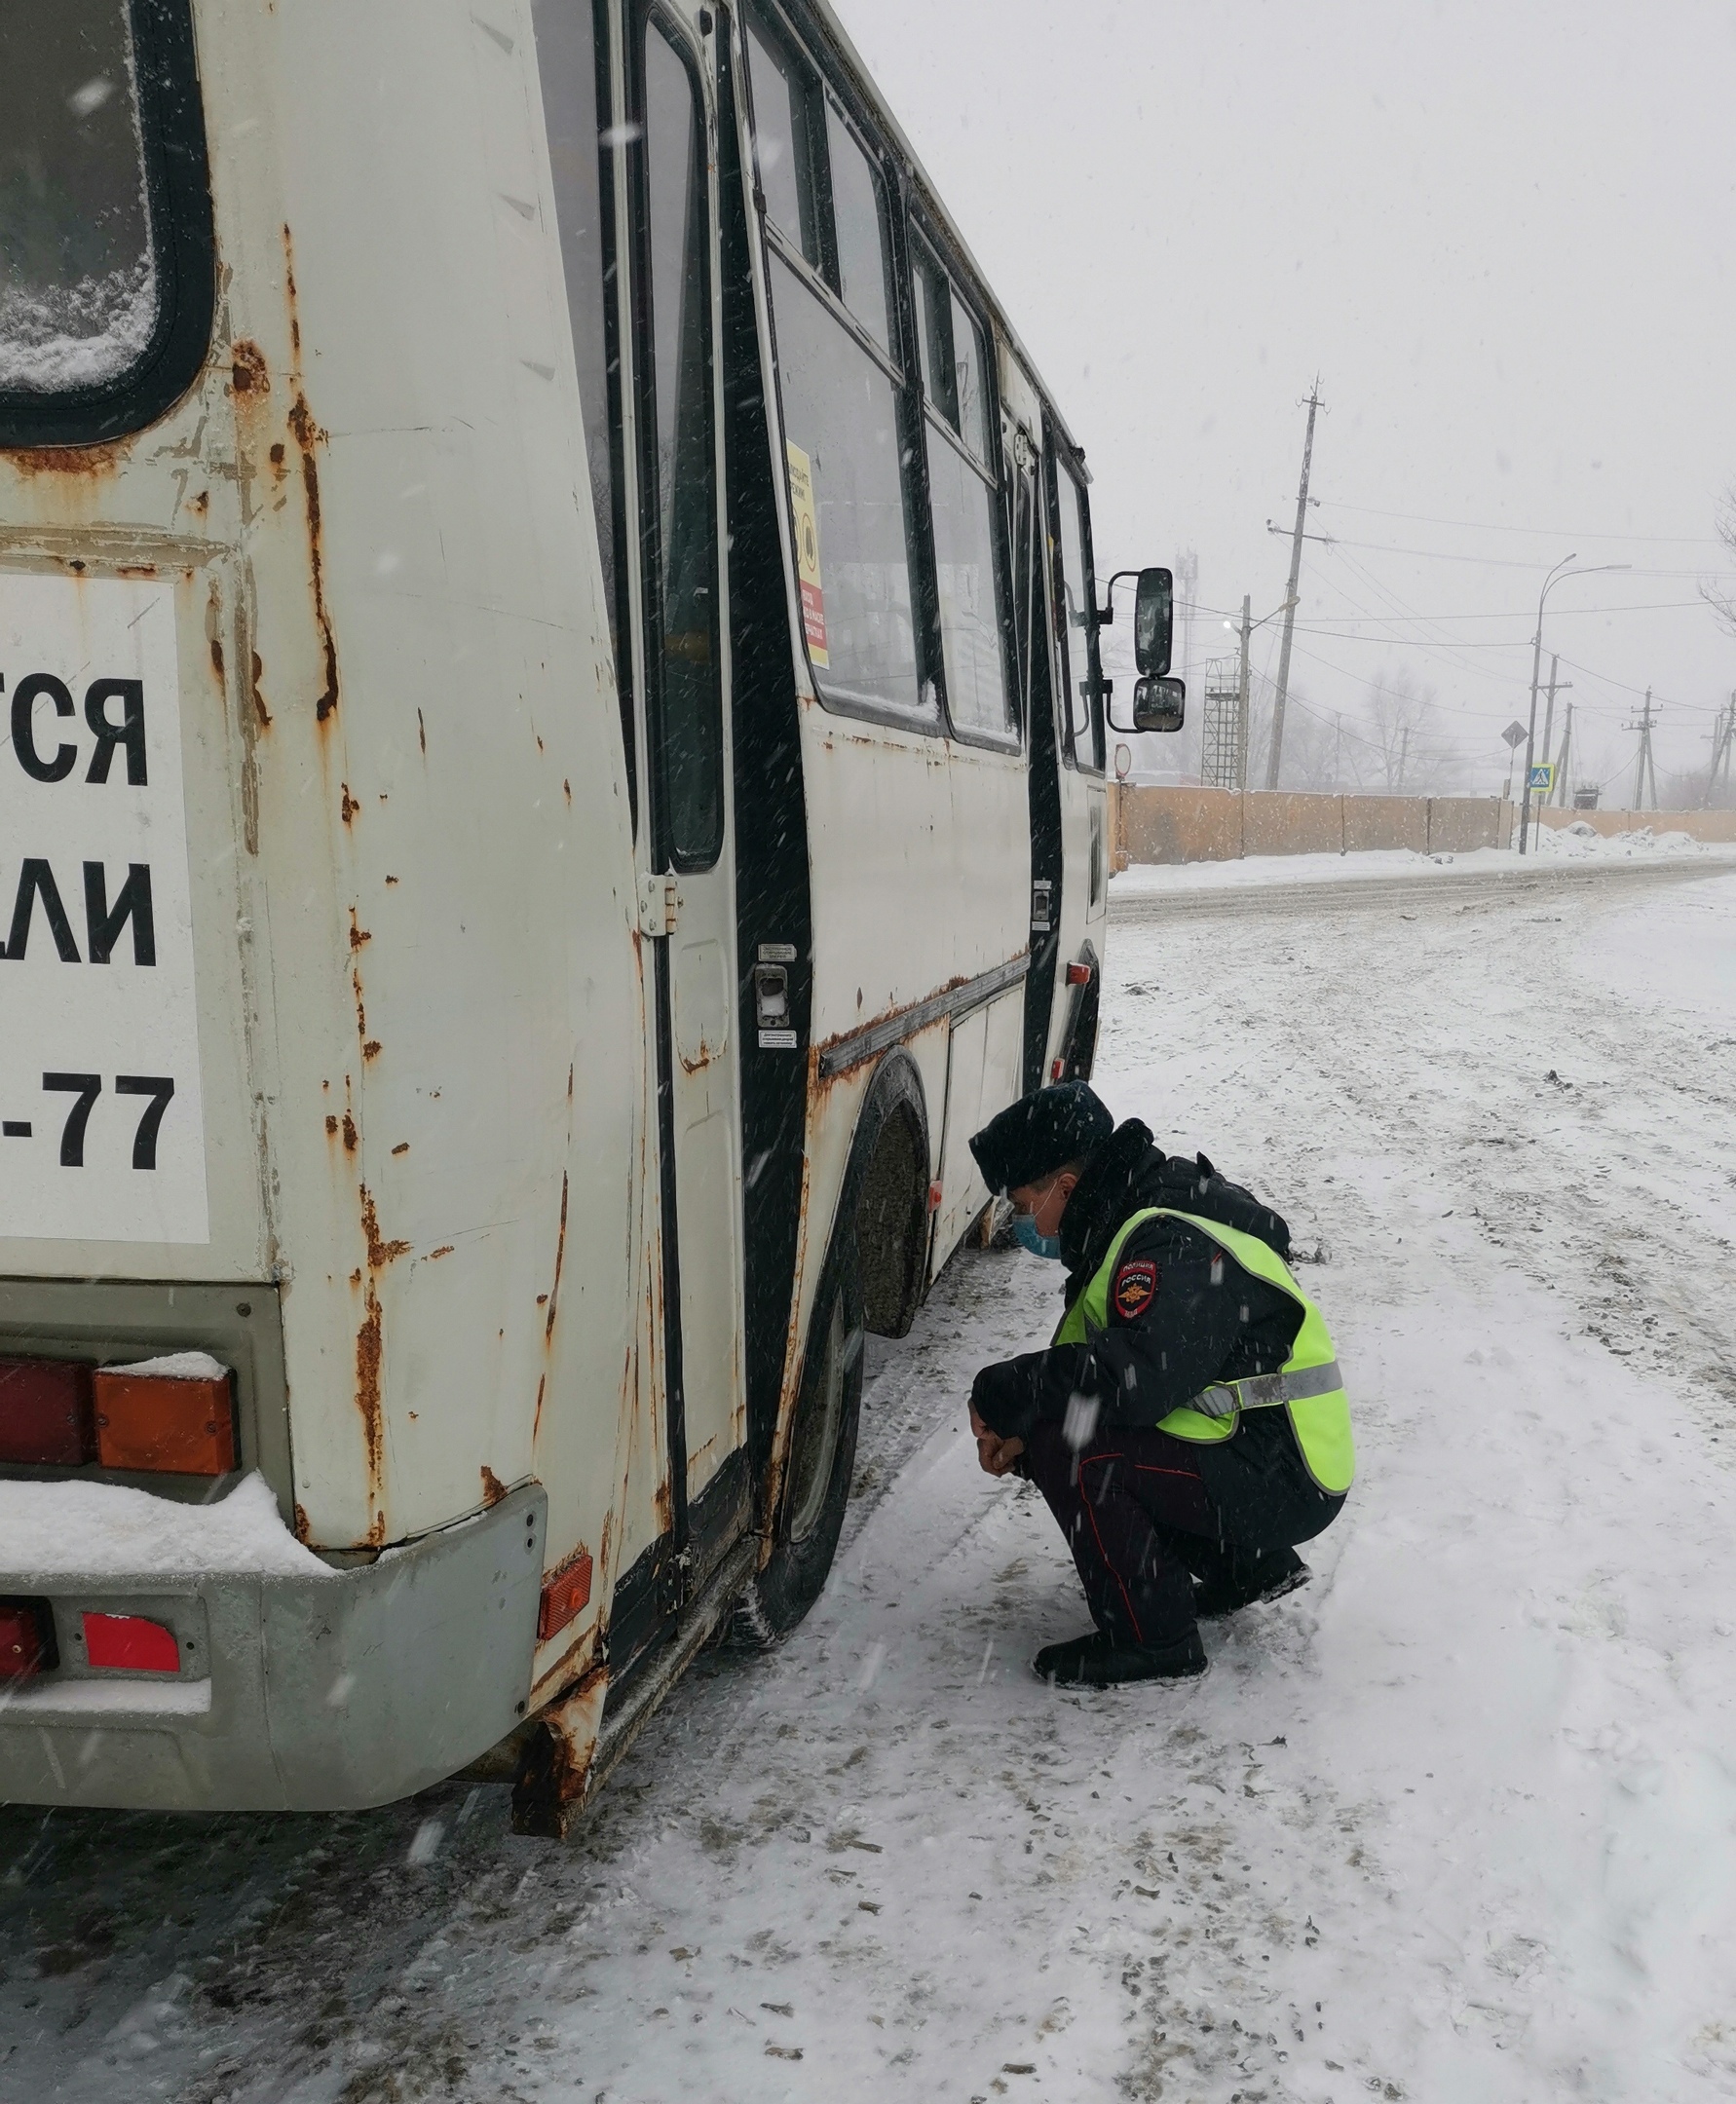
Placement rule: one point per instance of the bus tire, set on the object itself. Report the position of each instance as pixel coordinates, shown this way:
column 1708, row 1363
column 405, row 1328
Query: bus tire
column 822, row 1459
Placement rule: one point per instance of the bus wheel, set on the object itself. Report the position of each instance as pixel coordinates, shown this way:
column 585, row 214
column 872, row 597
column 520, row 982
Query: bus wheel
column 822, row 1458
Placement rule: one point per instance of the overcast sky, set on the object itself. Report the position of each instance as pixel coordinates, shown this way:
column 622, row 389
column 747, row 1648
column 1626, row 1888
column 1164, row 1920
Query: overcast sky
column 1505, row 239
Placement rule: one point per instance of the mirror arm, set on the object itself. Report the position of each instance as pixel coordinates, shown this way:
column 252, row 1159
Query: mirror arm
column 1106, row 614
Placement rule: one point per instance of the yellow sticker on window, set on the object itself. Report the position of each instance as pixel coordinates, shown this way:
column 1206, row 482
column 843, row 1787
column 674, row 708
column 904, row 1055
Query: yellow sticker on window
column 807, row 555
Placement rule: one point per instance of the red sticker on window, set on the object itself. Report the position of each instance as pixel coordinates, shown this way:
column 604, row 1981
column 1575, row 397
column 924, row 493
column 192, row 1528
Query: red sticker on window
column 1135, row 1284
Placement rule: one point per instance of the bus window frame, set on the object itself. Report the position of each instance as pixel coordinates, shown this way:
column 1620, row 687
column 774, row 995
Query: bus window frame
column 640, row 19
column 183, row 249
column 901, row 366
column 1060, row 457
column 989, row 472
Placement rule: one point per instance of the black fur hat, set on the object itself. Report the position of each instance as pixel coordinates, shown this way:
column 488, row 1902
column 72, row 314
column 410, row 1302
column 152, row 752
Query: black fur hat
column 1039, row 1134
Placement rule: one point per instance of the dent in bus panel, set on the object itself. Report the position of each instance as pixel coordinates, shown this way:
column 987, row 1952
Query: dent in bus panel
column 79, row 291
column 840, row 409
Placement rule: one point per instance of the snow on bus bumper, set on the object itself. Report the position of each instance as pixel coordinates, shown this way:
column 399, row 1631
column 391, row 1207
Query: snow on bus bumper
column 316, row 1693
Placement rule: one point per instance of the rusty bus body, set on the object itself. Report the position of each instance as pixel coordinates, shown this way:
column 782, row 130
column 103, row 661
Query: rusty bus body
column 611, row 843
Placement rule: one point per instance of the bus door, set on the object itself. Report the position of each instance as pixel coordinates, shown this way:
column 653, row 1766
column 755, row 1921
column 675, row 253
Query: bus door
column 687, row 884
column 1029, row 542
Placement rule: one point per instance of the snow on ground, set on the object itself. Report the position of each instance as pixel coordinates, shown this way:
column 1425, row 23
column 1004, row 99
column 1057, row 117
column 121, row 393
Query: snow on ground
column 1459, row 1819
column 1552, row 845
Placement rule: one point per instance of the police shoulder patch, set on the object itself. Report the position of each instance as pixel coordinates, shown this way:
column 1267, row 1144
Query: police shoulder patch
column 1136, row 1281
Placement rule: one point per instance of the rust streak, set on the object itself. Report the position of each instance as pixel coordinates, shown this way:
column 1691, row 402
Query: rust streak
column 367, row 1401
column 89, row 461
column 371, row 1048
column 255, row 689
column 217, row 659
column 445, row 1250
column 331, row 1125
column 379, row 1253
column 303, row 1526
column 358, row 934
column 493, row 1489
column 308, row 437
column 349, row 806
column 350, row 1140
column 560, row 1258
column 537, row 1413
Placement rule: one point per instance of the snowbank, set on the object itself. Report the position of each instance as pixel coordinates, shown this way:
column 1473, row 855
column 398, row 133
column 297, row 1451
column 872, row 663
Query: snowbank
column 1549, row 844
column 110, row 1531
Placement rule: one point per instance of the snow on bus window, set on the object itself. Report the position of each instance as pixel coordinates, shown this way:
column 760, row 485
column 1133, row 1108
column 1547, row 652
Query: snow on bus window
column 78, row 279
column 846, row 497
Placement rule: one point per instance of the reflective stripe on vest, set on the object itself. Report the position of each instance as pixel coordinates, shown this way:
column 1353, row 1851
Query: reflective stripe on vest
column 1309, row 1385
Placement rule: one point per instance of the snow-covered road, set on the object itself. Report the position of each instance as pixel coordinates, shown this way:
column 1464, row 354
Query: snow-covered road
column 1458, row 1820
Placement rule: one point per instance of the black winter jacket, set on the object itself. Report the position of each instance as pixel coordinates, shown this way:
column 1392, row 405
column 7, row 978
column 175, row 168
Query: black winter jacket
column 1181, row 1314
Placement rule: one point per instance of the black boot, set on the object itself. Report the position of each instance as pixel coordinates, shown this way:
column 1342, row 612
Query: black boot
column 1246, row 1579
column 1100, row 1661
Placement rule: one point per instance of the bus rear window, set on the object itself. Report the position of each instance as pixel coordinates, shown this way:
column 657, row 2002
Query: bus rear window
column 78, row 277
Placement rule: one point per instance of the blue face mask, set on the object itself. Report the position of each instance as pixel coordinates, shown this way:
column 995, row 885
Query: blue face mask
column 1025, row 1234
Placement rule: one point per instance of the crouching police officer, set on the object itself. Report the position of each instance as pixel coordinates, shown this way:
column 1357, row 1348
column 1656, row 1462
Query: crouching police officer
column 1189, row 1425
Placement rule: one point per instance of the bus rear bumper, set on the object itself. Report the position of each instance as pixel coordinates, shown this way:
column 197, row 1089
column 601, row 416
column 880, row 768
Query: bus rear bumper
column 294, row 1694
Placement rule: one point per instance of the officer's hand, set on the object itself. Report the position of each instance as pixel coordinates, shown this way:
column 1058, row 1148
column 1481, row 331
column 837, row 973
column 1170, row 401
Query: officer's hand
column 995, row 1455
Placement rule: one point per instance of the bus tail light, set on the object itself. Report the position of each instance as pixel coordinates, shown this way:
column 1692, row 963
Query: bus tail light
column 160, row 1422
column 129, row 1643
column 27, row 1638
column 1079, row 975
column 1057, row 1067
column 44, row 1413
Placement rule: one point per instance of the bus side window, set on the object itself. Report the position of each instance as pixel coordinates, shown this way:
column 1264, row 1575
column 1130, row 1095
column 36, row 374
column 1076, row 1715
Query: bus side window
column 843, row 392
column 678, row 513
column 782, row 120
column 572, row 59
column 1084, row 712
column 964, row 500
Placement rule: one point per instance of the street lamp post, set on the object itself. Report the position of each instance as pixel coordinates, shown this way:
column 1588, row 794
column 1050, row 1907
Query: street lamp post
column 1554, row 577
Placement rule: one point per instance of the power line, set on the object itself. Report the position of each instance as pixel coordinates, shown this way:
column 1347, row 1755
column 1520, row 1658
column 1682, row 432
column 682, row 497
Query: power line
column 1554, row 533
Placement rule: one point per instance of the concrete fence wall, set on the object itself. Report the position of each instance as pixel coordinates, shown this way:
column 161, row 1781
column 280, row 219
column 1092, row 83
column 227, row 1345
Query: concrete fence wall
column 1219, row 825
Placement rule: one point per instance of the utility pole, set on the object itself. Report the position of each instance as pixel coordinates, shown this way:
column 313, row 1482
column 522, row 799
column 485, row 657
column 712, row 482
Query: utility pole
column 1404, row 754
column 1647, row 764
column 1242, row 694
column 1555, row 687
column 1276, row 759
column 1723, row 737
column 1560, row 791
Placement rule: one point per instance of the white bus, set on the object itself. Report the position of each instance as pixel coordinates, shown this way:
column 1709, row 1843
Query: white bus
column 554, row 774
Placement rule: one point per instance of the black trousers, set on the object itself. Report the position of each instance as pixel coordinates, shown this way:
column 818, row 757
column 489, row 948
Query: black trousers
column 1133, row 1506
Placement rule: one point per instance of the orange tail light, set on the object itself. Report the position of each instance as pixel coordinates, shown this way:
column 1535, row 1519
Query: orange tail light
column 176, row 1427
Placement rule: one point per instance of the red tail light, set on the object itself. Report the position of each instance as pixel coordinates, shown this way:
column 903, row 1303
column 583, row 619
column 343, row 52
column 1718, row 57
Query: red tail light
column 129, row 1643
column 1079, row 975
column 564, row 1596
column 44, row 1413
column 27, row 1638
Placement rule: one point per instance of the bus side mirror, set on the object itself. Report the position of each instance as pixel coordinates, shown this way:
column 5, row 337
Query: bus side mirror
column 1159, row 704
column 1153, row 624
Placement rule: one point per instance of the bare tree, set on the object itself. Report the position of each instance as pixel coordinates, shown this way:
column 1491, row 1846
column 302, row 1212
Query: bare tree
column 1721, row 600
column 1403, row 739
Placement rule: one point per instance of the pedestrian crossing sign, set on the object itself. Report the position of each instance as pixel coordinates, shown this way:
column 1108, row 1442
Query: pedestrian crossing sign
column 1542, row 777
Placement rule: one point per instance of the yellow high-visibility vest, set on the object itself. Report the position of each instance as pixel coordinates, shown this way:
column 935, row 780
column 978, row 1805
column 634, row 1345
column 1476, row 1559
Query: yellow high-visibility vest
column 1309, row 1385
